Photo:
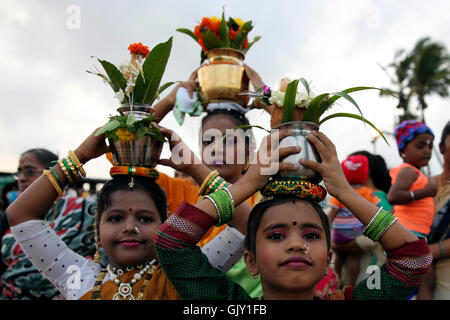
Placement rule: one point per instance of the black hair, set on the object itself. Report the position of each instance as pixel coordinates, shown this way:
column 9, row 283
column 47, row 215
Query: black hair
column 378, row 170
column 445, row 133
column 121, row 182
column 254, row 219
column 44, row 156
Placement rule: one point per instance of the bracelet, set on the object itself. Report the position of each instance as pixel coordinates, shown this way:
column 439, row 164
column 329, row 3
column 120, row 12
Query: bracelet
column 412, row 195
column 229, row 194
column 207, row 180
column 212, row 185
column 379, row 224
column 224, row 205
column 215, row 206
column 441, row 249
column 65, row 169
column 53, row 181
column 77, row 163
column 55, row 175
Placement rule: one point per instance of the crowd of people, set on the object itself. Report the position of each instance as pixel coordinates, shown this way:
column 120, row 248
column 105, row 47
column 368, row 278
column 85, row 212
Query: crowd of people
column 210, row 233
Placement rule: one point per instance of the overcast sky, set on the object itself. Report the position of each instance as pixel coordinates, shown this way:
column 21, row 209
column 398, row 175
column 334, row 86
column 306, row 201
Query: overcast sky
column 49, row 101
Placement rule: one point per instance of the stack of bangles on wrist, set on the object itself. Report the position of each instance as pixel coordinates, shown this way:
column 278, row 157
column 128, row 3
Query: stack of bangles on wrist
column 72, row 169
column 212, row 183
column 379, row 224
column 224, row 203
column 134, row 171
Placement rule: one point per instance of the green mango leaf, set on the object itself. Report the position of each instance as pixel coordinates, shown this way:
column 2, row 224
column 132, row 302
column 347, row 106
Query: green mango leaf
column 153, row 70
column 306, row 85
column 131, row 119
column 165, row 86
column 224, row 32
column 332, row 100
column 311, row 113
column 210, row 40
column 238, row 41
column 141, row 131
column 354, row 116
column 116, row 78
column 348, row 98
column 110, row 126
column 289, row 102
column 257, row 38
column 188, row 32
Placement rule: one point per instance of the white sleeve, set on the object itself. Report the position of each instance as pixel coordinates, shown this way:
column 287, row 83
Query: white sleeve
column 72, row 274
column 225, row 249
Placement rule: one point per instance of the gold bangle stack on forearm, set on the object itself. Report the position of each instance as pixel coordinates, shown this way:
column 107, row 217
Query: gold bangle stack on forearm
column 212, row 182
column 72, row 169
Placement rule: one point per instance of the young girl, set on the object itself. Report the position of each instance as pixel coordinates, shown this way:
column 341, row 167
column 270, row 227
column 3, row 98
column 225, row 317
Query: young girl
column 288, row 240
column 411, row 192
column 129, row 213
column 219, row 118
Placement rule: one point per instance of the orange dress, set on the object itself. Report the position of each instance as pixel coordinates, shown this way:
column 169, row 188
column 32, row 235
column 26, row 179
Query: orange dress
column 159, row 288
column 416, row 215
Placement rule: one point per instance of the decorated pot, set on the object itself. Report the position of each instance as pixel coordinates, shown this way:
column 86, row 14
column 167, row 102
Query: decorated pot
column 298, row 138
column 223, row 77
column 143, row 152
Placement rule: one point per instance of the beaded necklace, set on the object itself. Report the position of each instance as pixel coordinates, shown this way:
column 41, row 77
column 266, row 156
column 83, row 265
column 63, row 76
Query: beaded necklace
column 125, row 289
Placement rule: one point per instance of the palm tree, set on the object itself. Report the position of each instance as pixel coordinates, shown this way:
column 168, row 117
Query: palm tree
column 430, row 65
column 400, row 79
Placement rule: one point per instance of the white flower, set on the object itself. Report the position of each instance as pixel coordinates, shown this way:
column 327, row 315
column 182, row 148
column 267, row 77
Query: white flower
column 302, row 99
column 120, row 95
column 277, row 97
column 130, row 87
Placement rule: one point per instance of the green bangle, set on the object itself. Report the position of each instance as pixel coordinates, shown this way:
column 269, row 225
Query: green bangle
column 70, row 171
column 75, row 167
column 379, row 224
column 57, row 177
column 224, row 206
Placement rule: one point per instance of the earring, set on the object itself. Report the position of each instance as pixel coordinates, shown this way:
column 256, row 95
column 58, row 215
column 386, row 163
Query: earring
column 136, row 229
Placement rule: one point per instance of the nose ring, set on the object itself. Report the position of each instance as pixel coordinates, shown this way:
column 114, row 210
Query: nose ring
column 136, row 229
column 306, row 248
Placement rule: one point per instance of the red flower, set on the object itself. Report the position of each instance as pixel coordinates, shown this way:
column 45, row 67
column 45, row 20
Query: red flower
column 139, row 49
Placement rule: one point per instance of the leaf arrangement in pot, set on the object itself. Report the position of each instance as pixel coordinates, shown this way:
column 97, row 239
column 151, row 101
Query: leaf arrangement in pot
column 224, row 43
column 303, row 111
column 134, row 140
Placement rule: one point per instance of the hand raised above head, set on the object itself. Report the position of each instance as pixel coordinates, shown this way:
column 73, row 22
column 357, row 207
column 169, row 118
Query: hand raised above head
column 92, row 147
column 268, row 160
column 330, row 168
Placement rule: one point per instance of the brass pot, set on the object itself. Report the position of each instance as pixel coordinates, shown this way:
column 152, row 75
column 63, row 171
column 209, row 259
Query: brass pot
column 143, row 152
column 298, row 138
column 223, row 77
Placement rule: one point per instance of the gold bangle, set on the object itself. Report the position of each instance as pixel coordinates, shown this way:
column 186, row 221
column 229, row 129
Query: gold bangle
column 64, row 170
column 72, row 168
column 205, row 182
column 53, row 181
column 212, row 184
column 77, row 162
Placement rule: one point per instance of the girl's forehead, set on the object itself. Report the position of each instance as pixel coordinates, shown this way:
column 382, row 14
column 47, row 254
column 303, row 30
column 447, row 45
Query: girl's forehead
column 131, row 198
column 298, row 212
column 424, row 137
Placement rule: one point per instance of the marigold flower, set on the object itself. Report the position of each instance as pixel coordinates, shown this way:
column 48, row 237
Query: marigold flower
column 139, row 49
column 124, row 135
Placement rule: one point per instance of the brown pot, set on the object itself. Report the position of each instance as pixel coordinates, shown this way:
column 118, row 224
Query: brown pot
column 276, row 114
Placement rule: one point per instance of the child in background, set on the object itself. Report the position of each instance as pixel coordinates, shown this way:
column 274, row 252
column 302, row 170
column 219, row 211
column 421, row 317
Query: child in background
column 345, row 226
column 411, row 192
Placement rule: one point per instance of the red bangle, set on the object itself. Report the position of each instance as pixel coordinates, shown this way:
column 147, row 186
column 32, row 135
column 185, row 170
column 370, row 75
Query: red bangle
column 133, row 171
